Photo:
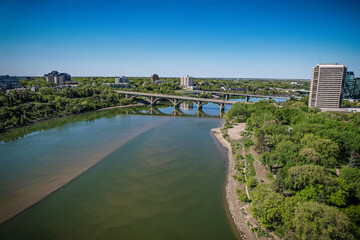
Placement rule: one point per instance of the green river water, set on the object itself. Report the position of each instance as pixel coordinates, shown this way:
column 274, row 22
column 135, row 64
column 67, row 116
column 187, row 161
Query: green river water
column 143, row 177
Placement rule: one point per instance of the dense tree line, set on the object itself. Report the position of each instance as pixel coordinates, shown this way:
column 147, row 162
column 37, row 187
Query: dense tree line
column 22, row 107
column 171, row 85
column 306, row 146
column 256, row 86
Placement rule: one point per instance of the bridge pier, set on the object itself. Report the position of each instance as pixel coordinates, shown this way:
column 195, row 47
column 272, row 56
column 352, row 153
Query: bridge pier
column 222, row 107
column 247, row 98
column 199, row 104
column 152, row 100
column 176, row 102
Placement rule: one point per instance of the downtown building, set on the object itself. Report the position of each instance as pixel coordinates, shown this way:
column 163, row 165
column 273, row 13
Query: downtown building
column 351, row 86
column 327, row 85
column 57, row 78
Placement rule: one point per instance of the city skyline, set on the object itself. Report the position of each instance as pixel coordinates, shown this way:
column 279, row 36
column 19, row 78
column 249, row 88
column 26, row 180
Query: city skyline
column 228, row 39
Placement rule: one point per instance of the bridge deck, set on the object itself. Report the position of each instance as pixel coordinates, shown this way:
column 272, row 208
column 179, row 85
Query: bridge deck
column 176, row 97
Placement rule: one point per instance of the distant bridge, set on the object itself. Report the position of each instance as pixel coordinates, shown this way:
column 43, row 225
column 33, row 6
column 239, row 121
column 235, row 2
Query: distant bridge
column 153, row 98
column 247, row 96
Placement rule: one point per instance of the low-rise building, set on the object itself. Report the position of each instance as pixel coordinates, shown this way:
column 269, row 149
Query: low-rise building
column 122, row 79
column 122, row 82
column 296, row 83
column 237, row 89
column 203, row 83
column 159, row 82
column 193, row 88
column 8, row 82
column 117, row 85
column 57, row 78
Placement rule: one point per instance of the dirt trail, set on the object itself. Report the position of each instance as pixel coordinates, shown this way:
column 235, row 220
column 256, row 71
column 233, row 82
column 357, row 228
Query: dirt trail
column 234, row 204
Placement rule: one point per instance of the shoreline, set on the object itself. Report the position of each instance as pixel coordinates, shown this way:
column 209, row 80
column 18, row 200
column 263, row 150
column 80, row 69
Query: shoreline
column 232, row 202
column 95, row 110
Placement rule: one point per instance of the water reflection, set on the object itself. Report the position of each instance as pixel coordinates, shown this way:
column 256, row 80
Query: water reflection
column 185, row 109
column 188, row 110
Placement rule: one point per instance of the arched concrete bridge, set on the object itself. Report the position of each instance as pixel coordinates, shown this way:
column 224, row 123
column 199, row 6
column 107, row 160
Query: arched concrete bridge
column 153, row 98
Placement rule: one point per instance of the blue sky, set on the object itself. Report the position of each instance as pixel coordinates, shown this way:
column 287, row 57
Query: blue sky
column 269, row 39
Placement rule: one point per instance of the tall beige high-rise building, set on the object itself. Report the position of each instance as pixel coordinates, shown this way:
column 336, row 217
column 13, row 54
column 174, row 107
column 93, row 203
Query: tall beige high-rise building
column 327, row 85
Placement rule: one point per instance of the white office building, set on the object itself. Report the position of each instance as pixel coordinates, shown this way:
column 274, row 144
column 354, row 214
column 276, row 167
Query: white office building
column 186, row 81
column 327, row 85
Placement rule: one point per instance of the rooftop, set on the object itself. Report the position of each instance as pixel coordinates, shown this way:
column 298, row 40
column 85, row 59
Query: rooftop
column 331, row 65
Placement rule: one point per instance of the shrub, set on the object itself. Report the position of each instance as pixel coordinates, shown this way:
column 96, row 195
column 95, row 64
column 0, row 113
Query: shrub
column 242, row 196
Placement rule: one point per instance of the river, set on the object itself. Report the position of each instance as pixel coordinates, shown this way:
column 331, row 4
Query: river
column 141, row 176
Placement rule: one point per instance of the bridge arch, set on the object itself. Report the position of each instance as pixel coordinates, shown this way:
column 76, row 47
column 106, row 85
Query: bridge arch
column 152, row 99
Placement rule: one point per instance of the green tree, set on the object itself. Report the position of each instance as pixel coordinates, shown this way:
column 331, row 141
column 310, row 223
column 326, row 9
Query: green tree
column 242, row 196
column 309, row 155
column 279, row 184
column 315, row 193
column 260, row 141
column 327, row 149
column 313, row 220
column 353, row 213
column 288, row 210
column 285, row 153
column 310, row 175
column 351, row 177
column 266, row 206
column 354, row 160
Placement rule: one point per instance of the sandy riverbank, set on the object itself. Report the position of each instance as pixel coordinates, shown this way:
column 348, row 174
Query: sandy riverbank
column 233, row 203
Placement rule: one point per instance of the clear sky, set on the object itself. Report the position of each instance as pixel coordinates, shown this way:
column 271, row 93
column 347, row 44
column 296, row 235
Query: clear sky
column 270, row 39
